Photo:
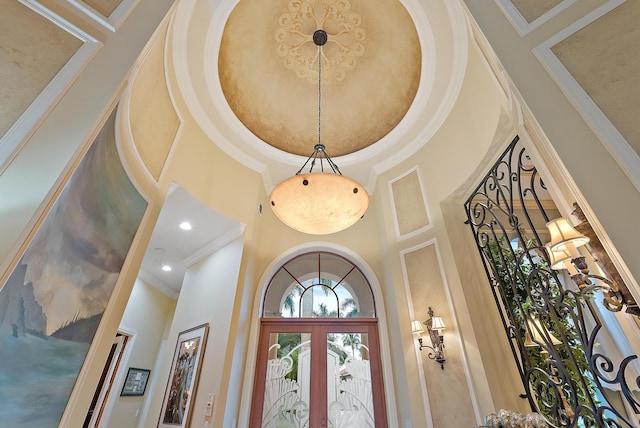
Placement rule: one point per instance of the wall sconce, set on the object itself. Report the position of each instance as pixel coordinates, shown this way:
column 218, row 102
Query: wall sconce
column 434, row 326
column 537, row 333
column 563, row 254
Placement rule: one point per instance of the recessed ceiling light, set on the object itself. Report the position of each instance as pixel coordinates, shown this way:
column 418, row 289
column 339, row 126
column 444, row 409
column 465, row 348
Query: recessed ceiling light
column 185, row 225
column 167, row 268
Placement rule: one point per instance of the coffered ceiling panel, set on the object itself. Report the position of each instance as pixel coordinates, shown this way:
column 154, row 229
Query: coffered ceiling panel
column 534, row 9
column 603, row 58
column 32, row 51
column 105, row 7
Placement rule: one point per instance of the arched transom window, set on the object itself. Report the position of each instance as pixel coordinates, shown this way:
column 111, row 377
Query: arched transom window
column 319, row 285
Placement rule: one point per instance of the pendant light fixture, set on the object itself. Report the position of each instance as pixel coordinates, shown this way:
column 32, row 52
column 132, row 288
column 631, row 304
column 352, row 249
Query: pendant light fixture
column 319, row 203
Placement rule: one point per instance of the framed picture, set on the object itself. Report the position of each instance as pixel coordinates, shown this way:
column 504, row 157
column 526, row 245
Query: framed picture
column 136, row 382
column 183, row 377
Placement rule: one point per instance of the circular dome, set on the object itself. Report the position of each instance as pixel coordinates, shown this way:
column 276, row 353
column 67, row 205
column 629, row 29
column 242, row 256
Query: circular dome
column 268, row 71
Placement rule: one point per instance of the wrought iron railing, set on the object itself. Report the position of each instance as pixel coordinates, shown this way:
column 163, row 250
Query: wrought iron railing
column 554, row 326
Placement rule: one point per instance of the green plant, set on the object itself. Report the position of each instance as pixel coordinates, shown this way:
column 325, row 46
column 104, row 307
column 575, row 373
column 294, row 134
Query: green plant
column 528, row 288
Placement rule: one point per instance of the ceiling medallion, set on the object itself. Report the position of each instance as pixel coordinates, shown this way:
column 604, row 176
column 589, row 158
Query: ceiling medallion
column 319, row 203
column 344, row 36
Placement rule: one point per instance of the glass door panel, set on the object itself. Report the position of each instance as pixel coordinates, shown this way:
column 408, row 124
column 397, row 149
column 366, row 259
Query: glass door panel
column 287, row 381
column 349, row 387
column 339, row 357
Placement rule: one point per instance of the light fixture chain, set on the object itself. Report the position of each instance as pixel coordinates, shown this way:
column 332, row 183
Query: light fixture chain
column 320, row 38
column 320, row 98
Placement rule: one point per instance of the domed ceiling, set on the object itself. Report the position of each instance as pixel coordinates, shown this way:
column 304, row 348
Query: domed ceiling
column 268, row 70
column 245, row 72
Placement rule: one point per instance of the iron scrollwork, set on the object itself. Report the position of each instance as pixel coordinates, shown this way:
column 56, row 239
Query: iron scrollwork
column 553, row 326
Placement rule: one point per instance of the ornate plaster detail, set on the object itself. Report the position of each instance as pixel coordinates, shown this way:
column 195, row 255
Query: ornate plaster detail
column 295, row 38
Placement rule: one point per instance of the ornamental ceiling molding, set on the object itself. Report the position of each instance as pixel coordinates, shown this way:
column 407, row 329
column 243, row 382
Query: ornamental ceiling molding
column 210, row 110
column 344, row 44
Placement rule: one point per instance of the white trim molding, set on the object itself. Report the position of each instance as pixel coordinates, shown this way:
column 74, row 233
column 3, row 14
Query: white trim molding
column 524, row 27
column 611, row 138
column 14, row 139
column 425, row 202
column 417, row 351
column 473, row 395
column 213, row 246
column 111, row 22
column 252, row 348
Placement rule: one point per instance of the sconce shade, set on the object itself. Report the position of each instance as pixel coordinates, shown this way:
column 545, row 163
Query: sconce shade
column 563, row 234
column 535, row 328
column 437, row 324
column 416, row 327
column 320, row 203
column 557, row 258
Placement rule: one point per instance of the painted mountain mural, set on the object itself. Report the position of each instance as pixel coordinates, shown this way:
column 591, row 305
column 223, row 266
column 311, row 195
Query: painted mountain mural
column 53, row 301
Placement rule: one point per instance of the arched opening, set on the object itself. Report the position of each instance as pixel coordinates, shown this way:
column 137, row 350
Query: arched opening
column 318, row 361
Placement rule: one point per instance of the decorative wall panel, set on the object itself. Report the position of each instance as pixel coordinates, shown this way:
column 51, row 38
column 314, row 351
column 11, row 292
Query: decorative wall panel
column 528, row 15
column 32, row 51
column 105, row 7
column 53, row 301
column 448, row 391
column 409, row 204
column 603, row 58
column 534, row 9
column 154, row 121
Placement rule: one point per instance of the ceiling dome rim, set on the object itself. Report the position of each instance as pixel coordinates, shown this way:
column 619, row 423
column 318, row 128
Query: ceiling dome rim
column 240, row 143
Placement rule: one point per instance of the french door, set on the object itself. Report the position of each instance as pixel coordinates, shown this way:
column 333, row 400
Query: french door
column 317, row 373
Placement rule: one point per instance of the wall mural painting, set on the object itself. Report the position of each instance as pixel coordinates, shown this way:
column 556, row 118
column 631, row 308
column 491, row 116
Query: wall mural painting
column 52, row 303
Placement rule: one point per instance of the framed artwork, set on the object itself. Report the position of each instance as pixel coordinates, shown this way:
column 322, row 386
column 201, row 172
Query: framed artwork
column 183, row 377
column 136, row 382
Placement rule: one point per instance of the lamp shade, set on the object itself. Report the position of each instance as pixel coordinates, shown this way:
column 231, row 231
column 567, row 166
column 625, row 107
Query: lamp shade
column 563, row 234
column 557, row 258
column 416, row 327
column 535, row 328
column 320, row 203
column 437, row 323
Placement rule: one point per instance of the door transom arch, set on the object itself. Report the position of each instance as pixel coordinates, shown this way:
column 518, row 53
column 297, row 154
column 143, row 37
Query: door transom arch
column 318, row 362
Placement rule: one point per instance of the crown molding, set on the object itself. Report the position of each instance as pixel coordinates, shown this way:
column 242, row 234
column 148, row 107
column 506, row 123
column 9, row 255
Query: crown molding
column 215, row 245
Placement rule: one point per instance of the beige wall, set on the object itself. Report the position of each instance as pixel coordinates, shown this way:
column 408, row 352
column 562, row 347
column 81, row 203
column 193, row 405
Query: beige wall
column 35, row 176
column 145, row 317
column 207, row 296
column 65, row 131
column 215, row 179
column 576, row 145
column 443, row 169
column 449, row 165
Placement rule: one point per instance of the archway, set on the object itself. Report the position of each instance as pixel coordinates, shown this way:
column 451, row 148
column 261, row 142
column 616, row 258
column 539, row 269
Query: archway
column 318, row 360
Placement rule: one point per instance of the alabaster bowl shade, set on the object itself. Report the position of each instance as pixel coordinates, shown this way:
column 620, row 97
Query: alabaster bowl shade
column 320, row 203
column 562, row 234
column 416, row 327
